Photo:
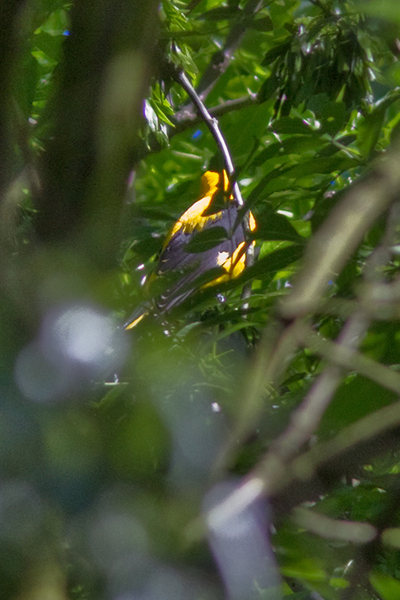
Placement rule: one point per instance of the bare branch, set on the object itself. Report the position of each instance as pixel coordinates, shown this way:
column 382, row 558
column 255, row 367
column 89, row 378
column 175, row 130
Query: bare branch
column 186, row 117
column 213, row 126
column 350, row 531
column 350, row 360
column 342, row 232
column 281, row 466
column 296, row 482
column 306, row 418
column 222, row 58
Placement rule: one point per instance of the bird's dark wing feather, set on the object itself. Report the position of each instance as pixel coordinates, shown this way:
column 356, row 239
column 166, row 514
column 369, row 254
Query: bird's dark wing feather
column 187, row 266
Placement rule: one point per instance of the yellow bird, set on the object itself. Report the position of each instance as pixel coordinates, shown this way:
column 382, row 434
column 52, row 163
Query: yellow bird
column 216, row 211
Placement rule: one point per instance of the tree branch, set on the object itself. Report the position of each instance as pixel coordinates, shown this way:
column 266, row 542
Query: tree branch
column 221, row 58
column 281, row 467
column 307, row 417
column 307, row 475
column 340, row 235
column 351, row 360
column 349, row 531
column 187, row 117
column 10, row 13
column 213, row 126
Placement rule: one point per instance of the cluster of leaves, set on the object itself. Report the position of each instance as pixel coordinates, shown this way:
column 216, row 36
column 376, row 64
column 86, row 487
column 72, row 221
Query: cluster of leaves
column 305, row 95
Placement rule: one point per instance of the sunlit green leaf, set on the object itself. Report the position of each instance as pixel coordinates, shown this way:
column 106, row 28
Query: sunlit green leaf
column 387, row 587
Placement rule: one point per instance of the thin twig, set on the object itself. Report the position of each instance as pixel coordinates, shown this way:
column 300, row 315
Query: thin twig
column 355, row 532
column 350, row 360
column 307, row 417
column 273, row 475
column 340, row 235
column 186, row 117
column 213, row 126
column 280, row 465
column 222, row 57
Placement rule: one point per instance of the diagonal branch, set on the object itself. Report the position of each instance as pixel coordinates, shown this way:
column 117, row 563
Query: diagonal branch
column 307, row 417
column 187, row 117
column 222, row 58
column 351, row 360
column 280, row 465
column 297, row 481
column 340, row 235
column 213, row 126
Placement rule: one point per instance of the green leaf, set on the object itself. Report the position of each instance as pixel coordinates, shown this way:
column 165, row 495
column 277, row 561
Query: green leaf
column 278, row 260
column 275, row 52
column 241, row 133
column 56, row 24
column 177, row 21
column 332, row 114
column 49, row 44
column 387, row 587
column 304, row 568
column 270, row 86
column 292, row 125
column 296, row 144
column 207, row 239
column 356, row 398
column 369, row 130
column 182, row 57
column 383, row 9
column 223, row 13
column 261, row 24
column 273, row 226
column 322, row 165
column 43, row 59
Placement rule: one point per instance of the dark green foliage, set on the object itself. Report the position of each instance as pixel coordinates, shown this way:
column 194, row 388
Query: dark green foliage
column 111, row 440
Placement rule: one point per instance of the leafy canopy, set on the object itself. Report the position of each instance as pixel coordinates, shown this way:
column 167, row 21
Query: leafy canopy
column 290, row 390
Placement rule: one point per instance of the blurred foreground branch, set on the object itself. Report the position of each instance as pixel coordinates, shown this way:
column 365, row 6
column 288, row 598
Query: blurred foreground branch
column 338, row 237
column 281, row 468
